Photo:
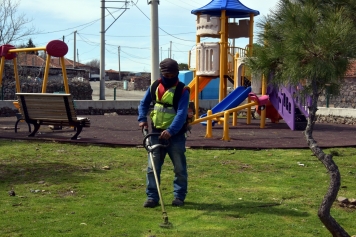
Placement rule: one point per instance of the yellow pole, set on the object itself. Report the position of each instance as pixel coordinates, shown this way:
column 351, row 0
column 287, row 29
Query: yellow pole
column 263, row 112
column 196, row 78
column 251, row 34
column 2, row 64
column 264, row 85
column 226, row 127
column 26, row 49
column 209, row 126
column 236, row 70
column 234, row 119
column 64, row 72
column 222, row 54
column 226, row 51
column 236, row 56
column 248, row 119
column 251, row 39
column 45, row 76
column 18, row 88
column 196, row 95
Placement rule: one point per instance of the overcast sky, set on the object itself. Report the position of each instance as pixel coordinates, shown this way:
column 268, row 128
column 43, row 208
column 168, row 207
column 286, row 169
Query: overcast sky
column 131, row 31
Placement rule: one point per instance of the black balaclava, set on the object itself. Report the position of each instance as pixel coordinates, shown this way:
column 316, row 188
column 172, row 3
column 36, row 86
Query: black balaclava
column 169, row 65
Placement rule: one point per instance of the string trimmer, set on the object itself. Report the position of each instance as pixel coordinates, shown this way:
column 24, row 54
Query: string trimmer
column 150, row 148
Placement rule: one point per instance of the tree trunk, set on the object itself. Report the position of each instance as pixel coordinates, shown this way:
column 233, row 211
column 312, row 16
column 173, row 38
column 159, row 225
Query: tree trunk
column 324, row 211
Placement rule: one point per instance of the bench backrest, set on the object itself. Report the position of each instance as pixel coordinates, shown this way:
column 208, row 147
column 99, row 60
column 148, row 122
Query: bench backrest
column 47, row 106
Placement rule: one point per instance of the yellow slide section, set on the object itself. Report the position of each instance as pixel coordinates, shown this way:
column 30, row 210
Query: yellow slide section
column 202, row 83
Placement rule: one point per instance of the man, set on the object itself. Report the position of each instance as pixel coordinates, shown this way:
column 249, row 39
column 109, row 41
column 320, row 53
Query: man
column 170, row 123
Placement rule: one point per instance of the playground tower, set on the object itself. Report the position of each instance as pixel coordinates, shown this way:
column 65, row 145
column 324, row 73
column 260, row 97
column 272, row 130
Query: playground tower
column 217, row 19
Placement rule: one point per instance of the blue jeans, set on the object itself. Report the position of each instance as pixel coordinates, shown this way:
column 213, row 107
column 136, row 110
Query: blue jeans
column 176, row 152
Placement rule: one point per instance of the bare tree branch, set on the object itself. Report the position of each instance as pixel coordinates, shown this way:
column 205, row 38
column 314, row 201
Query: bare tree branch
column 13, row 25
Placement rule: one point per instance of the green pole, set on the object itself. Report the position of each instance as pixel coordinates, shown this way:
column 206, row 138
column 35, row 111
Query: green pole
column 114, row 93
column 2, row 93
column 327, row 96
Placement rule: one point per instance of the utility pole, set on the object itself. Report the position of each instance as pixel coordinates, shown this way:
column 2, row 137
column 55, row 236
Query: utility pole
column 102, row 42
column 170, row 51
column 154, row 40
column 102, row 52
column 78, row 55
column 75, row 47
column 119, row 65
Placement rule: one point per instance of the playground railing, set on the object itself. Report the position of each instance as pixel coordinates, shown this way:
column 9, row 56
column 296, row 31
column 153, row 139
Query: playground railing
column 224, row 117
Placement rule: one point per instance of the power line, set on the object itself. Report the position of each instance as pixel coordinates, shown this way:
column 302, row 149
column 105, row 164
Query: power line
column 86, row 25
column 160, row 27
column 87, row 40
column 137, row 62
column 177, row 5
column 64, row 29
column 139, row 36
column 134, row 56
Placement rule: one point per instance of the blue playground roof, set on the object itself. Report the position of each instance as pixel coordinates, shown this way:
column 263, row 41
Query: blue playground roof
column 234, row 9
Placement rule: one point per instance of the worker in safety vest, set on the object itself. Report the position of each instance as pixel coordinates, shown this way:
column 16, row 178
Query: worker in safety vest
column 170, row 123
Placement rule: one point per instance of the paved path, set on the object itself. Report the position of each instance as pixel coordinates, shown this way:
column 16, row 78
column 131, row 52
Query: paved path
column 123, row 130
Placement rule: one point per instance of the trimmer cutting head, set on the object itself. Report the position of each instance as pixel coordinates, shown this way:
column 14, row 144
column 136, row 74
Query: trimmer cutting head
column 166, row 224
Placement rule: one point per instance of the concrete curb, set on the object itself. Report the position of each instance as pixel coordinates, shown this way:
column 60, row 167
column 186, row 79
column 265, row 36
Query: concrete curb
column 205, row 104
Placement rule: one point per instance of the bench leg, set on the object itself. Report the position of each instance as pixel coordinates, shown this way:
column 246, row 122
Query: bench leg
column 35, row 129
column 17, row 123
column 79, row 130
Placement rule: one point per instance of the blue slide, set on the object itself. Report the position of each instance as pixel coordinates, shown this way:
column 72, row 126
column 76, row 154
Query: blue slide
column 235, row 98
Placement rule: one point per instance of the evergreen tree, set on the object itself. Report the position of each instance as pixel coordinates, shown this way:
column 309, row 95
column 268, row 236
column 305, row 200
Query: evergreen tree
column 312, row 41
column 30, row 44
column 183, row 66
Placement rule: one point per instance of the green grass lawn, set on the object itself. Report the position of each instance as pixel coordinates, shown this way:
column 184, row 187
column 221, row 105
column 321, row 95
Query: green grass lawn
column 63, row 190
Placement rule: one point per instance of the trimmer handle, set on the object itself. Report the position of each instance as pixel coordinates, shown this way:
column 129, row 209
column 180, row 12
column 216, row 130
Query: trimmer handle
column 146, row 142
column 144, row 131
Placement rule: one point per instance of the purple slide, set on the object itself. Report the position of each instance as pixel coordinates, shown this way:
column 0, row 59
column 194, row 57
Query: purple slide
column 287, row 101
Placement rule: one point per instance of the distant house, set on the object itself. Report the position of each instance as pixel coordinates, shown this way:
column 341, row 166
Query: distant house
column 116, row 75
column 96, row 77
column 31, row 65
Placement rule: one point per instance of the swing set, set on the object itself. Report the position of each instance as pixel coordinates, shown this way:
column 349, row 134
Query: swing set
column 54, row 48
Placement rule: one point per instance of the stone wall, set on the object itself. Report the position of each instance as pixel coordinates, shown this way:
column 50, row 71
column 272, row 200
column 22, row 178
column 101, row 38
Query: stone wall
column 31, row 82
column 346, row 99
column 336, row 119
column 80, row 90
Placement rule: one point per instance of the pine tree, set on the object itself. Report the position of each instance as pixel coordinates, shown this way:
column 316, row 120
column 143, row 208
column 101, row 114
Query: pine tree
column 30, row 44
column 312, row 41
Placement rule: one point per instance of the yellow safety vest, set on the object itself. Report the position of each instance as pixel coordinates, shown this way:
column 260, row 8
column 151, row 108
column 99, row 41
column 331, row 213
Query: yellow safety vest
column 163, row 112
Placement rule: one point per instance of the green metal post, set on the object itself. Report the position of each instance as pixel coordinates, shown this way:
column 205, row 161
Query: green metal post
column 327, row 96
column 114, row 93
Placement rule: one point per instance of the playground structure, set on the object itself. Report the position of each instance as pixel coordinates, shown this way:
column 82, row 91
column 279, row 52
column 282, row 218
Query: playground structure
column 211, row 60
column 54, row 48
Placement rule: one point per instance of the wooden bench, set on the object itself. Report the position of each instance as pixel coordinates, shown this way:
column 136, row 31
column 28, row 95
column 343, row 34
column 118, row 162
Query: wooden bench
column 50, row 109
